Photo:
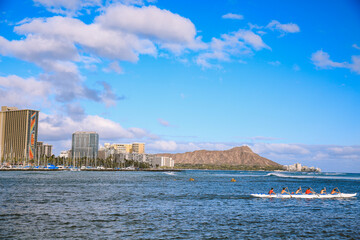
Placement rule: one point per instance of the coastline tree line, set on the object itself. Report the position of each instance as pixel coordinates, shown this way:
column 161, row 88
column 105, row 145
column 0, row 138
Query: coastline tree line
column 45, row 161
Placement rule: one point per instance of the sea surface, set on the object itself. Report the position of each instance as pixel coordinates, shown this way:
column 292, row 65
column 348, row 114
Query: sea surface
column 166, row 205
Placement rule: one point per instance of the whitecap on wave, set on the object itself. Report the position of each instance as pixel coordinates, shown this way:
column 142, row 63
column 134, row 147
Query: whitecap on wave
column 327, row 176
column 170, row 173
column 238, row 175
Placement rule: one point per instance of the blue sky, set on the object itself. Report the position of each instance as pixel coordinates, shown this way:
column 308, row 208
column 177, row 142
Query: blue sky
column 282, row 77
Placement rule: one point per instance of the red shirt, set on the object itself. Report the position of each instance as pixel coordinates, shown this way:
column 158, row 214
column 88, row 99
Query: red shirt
column 308, row 191
column 271, row 192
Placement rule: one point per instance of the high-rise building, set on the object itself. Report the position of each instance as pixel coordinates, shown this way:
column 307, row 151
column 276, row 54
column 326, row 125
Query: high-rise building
column 160, row 161
column 85, row 144
column 138, row 148
column 18, row 133
column 122, row 148
column 43, row 150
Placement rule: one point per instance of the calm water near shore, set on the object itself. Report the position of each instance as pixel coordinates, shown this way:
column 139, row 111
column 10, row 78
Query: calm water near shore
column 166, row 205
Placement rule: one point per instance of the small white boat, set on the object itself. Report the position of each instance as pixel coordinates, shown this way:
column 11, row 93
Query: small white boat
column 339, row 195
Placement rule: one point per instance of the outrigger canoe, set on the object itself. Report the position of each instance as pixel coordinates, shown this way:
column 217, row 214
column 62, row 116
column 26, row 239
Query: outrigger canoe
column 339, row 195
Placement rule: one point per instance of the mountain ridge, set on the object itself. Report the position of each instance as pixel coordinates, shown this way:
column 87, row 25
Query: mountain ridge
column 237, row 156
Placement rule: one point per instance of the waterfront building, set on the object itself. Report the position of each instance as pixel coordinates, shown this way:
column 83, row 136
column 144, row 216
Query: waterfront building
column 101, row 153
column 159, row 161
column 122, row 148
column 297, row 167
column 43, row 150
column 65, row 154
column 18, row 133
column 138, row 148
column 85, row 144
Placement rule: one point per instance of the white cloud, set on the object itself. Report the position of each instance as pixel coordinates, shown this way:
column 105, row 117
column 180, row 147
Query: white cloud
column 280, row 148
column 251, row 39
column 163, row 146
column 57, row 43
column 108, row 96
column 356, row 46
column 321, row 59
column 233, row 16
column 327, row 157
column 93, row 37
column 284, row 28
column 355, row 65
column 174, row 147
column 56, row 127
column 21, row 92
column 39, row 49
column 51, row 44
column 67, row 7
column 163, row 122
column 114, row 66
column 275, row 63
column 178, row 48
column 232, row 45
column 150, row 22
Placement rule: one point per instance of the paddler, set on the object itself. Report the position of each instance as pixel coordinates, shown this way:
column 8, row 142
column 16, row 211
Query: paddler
column 335, row 190
column 323, row 191
column 308, row 191
column 284, row 191
column 271, row 191
column 298, row 190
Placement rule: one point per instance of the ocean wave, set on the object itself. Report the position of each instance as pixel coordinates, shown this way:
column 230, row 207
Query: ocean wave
column 237, row 175
column 170, row 173
column 333, row 177
column 336, row 173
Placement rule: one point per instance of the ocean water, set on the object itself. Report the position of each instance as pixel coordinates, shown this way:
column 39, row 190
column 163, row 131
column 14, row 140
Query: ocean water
column 159, row 205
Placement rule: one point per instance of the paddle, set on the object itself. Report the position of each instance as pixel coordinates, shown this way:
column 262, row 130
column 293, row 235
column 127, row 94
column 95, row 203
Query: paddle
column 314, row 192
column 288, row 191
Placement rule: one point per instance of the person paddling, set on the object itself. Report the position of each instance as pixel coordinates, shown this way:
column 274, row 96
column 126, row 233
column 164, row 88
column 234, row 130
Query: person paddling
column 323, row 191
column 271, row 191
column 335, row 190
column 298, row 190
column 284, row 191
column 308, row 191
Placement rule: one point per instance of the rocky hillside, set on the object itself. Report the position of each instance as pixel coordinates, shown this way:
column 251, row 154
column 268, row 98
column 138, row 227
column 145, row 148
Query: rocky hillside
column 236, row 156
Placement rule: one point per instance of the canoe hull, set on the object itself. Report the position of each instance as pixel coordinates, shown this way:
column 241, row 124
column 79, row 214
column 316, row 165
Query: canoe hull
column 340, row 195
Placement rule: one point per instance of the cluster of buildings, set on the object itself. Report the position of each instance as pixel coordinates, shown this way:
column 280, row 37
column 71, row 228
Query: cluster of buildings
column 135, row 152
column 85, row 145
column 19, row 141
column 19, row 135
column 297, row 167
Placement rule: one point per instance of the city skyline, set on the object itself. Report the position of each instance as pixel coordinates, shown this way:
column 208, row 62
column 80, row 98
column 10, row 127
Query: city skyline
column 184, row 76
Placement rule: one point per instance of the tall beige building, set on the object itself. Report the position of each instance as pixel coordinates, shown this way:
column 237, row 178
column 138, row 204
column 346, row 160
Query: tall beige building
column 138, row 148
column 122, row 148
column 18, row 133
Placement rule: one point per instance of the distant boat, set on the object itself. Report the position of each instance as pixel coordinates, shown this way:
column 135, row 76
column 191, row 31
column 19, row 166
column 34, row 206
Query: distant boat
column 50, row 166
